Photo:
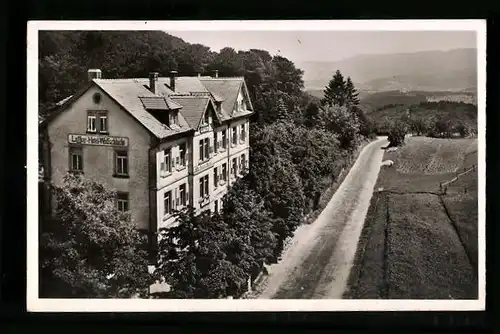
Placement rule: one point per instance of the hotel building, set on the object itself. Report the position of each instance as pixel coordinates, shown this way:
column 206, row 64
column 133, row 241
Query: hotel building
column 162, row 143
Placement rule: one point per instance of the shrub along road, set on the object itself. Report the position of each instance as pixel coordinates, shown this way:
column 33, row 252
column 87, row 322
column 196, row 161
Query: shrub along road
column 318, row 262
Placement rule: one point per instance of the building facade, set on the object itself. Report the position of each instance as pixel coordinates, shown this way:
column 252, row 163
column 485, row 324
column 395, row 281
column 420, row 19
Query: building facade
column 162, row 143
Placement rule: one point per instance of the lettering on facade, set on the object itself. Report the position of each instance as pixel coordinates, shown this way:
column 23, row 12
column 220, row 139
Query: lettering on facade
column 97, row 140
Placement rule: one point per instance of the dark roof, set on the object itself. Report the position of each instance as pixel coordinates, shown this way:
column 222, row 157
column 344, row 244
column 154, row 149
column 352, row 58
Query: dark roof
column 191, row 97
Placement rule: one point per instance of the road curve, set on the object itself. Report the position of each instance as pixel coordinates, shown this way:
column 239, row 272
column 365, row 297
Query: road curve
column 317, row 264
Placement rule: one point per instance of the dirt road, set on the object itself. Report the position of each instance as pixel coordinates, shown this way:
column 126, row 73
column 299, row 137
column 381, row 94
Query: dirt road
column 317, row 264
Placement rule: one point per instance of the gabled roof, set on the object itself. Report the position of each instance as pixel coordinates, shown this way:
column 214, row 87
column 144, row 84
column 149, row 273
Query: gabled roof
column 193, row 108
column 227, row 87
column 126, row 93
column 191, row 97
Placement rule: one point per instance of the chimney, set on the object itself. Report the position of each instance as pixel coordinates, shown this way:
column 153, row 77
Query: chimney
column 94, row 74
column 173, row 74
column 153, row 81
column 216, row 73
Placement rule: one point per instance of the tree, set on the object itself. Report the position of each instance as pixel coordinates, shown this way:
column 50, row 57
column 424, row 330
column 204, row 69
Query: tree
column 366, row 125
column 442, row 128
column 419, row 126
column 245, row 212
column 397, row 133
column 344, row 123
column 282, row 111
column 226, row 62
column 335, row 92
column 311, row 115
column 193, row 257
column 288, row 78
column 89, row 248
column 351, row 94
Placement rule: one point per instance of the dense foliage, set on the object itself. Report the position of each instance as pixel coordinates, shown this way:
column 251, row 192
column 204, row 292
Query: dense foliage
column 90, row 249
column 436, row 119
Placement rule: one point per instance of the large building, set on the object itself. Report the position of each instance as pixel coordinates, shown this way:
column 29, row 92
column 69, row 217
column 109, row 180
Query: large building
column 162, row 143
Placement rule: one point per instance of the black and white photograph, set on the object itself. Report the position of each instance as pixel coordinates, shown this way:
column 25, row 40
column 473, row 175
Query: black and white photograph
column 256, row 165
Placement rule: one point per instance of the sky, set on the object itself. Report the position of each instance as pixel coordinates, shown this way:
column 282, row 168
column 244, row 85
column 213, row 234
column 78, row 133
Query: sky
column 331, row 45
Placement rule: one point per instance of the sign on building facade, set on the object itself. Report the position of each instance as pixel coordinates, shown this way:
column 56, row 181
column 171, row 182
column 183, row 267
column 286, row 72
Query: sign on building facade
column 97, row 140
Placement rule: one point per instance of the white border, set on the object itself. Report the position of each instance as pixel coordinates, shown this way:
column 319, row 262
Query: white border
column 35, row 304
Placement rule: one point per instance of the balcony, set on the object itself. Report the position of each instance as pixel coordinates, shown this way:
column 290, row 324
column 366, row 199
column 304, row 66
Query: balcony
column 204, row 201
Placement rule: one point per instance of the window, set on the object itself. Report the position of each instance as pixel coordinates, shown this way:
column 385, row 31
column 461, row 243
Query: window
column 224, row 172
column 182, row 194
column 207, row 148
column 103, row 124
column 235, row 166
column 204, row 149
column 235, row 135
column 91, row 123
column 243, row 162
column 121, row 163
column 96, row 98
column 204, row 186
column 182, row 154
column 224, row 139
column 243, row 133
column 216, row 177
column 166, row 166
column 216, row 144
column 167, row 202
column 76, row 159
column 97, row 121
column 122, row 202
column 175, row 118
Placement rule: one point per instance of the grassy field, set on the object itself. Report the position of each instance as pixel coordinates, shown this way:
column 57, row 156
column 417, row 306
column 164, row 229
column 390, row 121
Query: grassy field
column 417, row 242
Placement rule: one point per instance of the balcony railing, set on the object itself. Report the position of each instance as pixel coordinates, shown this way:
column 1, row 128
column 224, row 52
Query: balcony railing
column 205, row 200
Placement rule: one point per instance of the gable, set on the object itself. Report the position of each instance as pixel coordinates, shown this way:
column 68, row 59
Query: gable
column 72, row 118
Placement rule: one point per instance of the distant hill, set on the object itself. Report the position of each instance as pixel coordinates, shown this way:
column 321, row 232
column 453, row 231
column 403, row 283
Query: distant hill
column 454, row 70
column 373, row 101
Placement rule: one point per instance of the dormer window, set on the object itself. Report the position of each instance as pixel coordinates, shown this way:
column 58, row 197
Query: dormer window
column 174, row 118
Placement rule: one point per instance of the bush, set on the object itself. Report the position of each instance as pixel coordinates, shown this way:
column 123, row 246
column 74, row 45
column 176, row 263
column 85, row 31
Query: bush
column 397, row 133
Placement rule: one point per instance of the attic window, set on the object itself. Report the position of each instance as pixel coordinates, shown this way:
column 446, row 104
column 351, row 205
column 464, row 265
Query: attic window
column 96, row 98
column 174, row 118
